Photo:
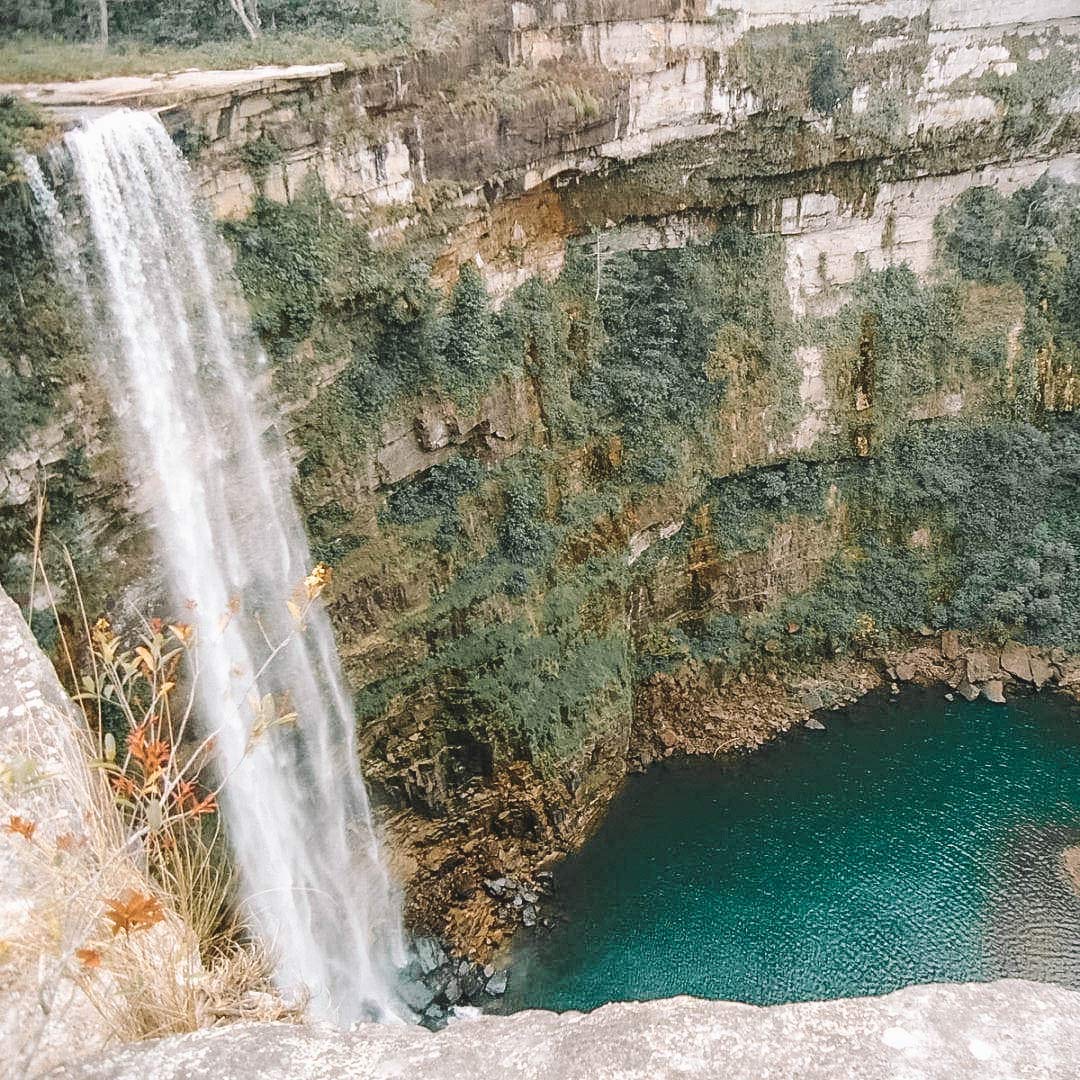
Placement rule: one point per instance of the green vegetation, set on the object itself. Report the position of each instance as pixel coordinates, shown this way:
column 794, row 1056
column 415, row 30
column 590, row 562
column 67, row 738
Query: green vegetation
column 38, row 340
column 56, row 39
column 1031, row 239
column 434, row 498
column 1000, row 543
column 675, row 325
column 828, row 81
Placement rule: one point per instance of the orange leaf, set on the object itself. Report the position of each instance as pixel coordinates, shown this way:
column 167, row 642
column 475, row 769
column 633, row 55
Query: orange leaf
column 133, row 911
column 90, row 958
column 136, row 741
column 21, row 826
column 69, row 842
column 124, row 786
column 155, row 755
column 189, row 802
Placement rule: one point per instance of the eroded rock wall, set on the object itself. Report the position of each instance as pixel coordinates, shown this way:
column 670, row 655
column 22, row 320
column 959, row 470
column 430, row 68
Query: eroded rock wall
column 737, row 400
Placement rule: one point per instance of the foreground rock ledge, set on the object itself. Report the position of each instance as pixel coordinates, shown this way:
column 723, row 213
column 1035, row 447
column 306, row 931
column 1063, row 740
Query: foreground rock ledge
column 1010, row 1029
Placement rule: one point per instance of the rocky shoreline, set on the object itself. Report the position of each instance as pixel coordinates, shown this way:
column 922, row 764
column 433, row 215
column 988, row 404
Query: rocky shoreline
column 473, row 882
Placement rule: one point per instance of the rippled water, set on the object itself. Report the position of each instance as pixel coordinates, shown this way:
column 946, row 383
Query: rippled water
column 910, row 842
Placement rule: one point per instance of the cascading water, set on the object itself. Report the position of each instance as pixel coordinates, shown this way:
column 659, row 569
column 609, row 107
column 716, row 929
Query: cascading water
column 187, row 381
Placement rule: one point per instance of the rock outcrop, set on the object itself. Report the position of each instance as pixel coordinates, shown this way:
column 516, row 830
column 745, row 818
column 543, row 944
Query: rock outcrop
column 62, row 854
column 1008, row 1030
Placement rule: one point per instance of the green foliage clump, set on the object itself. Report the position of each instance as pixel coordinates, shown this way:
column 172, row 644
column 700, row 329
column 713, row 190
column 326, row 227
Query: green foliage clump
column 19, row 123
column 663, row 314
column 829, row 85
column 911, row 330
column 525, row 537
column 1031, row 238
column 258, row 155
column 39, row 339
column 435, row 496
column 997, row 510
column 743, row 508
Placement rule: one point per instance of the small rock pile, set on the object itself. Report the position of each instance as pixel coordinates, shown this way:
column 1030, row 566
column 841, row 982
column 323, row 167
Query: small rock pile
column 985, row 670
column 521, row 901
column 438, row 984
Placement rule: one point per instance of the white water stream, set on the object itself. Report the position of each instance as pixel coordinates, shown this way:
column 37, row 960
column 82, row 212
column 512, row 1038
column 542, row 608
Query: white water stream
column 188, row 384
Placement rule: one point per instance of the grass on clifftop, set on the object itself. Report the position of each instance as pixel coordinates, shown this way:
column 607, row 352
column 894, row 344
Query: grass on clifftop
column 31, row 58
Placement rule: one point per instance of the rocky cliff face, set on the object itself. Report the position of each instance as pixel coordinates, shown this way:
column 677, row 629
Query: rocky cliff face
column 750, row 315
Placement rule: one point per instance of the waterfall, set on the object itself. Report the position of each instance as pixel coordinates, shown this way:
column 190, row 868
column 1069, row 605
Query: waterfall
column 188, row 385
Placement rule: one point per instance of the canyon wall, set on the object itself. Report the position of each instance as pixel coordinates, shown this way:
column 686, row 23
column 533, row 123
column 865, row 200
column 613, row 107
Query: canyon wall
column 630, row 353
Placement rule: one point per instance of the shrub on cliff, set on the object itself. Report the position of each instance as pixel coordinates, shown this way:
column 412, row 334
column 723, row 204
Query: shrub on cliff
column 829, row 84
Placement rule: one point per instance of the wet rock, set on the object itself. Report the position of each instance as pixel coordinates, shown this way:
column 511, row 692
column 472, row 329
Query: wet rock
column 472, row 985
column 994, row 690
column 950, row 644
column 530, row 897
column 528, row 915
column 416, row 995
column 434, row 1018
column 1070, row 863
column 489, row 970
column 814, row 724
column 967, row 691
column 430, row 954
column 1070, row 672
column 452, row 993
column 1015, row 660
column 496, row 985
column 497, row 886
column 950, row 697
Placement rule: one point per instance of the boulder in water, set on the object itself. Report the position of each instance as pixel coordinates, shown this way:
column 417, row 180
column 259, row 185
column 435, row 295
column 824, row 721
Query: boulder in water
column 967, row 691
column 496, row 985
column 994, row 690
column 1041, row 671
column 1016, row 661
column 814, row 724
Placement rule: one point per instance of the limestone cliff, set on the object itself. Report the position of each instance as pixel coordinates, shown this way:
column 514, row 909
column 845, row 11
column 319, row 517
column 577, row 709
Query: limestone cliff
column 626, row 343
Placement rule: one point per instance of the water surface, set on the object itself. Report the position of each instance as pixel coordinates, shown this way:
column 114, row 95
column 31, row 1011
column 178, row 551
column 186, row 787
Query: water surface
column 911, row 842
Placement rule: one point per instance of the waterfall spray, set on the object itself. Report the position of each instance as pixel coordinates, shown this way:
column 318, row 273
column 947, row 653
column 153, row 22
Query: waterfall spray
column 187, row 382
